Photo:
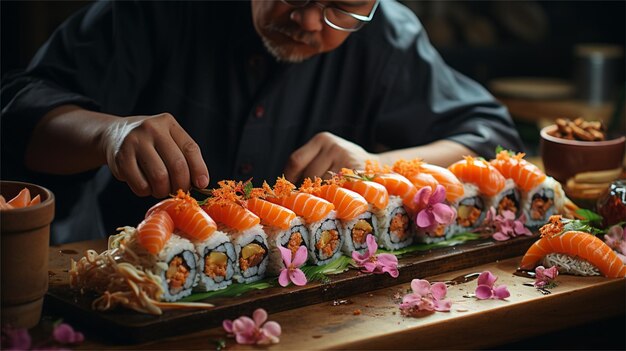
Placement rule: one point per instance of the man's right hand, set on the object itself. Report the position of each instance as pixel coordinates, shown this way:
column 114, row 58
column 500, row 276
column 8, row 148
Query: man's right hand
column 154, row 155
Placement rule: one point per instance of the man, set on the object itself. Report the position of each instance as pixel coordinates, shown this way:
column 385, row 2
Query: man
column 300, row 88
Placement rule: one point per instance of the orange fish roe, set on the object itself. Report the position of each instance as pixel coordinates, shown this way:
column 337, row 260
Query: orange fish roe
column 553, row 227
column 408, row 169
column 311, row 186
column 373, row 167
column 282, row 188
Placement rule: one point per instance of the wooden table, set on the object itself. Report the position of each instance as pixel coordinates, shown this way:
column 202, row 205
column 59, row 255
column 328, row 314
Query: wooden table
column 372, row 320
column 543, row 112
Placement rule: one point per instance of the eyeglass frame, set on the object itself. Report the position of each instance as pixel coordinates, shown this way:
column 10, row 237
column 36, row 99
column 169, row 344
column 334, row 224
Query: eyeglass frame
column 361, row 18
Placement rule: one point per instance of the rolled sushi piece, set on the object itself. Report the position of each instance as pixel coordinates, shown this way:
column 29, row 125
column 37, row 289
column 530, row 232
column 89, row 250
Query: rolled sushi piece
column 252, row 253
column 509, row 199
column 394, row 225
column 357, row 229
column 292, row 238
column 326, row 239
column 543, row 201
column 217, row 262
column 176, row 266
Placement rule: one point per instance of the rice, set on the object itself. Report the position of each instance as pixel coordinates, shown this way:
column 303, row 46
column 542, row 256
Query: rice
column 570, row 265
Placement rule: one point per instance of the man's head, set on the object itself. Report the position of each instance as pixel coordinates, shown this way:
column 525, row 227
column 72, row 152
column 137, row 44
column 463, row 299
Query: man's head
column 295, row 30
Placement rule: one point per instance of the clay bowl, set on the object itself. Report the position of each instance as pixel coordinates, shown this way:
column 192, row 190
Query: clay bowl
column 563, row 158
column 25, row 240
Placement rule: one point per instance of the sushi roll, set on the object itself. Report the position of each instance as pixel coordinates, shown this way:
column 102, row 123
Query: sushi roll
column 394, row 225
column 357, row 229
column 252, row 253
column 524, row 174
column 326, row 239
column 176, row 266
column 543, row 201
column 325, row 234
column 509, row 199
column 217, row 262
column 292, row 238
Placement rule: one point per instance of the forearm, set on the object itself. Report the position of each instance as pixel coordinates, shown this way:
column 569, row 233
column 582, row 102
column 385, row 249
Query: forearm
column 441, row 153
column 68, row 140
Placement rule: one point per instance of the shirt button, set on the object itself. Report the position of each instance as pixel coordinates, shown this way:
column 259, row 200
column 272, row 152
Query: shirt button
column 259, row 112
column 246, row 168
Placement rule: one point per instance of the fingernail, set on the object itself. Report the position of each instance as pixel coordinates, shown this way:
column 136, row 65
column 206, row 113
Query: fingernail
column 202, row 181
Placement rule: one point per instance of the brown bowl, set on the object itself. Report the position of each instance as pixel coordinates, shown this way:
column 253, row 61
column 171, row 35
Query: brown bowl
column 25, row 234
column 563, row 158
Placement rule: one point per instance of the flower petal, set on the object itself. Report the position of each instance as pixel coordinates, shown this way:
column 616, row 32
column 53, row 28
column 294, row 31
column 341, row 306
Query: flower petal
column 438, row 196
column 65, row 334
column 227, row 324
column 392, row 270
column 297, row 277
column 386, row 259
column 422, row 196
column 508, row 215
column 443, row 213
column 501, row 292
column 420, row 287
column 372, row 246
column 370, row 266
column 483, row 292
column 283, row 278
column 16, row 338
column 301, row 256
column 360, row 258
column 487, row 278
column 500, row 236
column 272, row 328
column 244, row 325
column 439, row 290
column 424, row 219
column 285, row 253
column 260, row 316
column 443, row 305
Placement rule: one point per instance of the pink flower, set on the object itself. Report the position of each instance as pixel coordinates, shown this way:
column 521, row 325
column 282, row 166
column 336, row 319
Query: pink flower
column 545, row 276
column 432, row 211
column 257, row 331
column 425, row 298
column 487, row 290
column 373, row 263
column 65, row 334
column 15, row 338
column 505, row 226
column 616, row 239
column 292, row 272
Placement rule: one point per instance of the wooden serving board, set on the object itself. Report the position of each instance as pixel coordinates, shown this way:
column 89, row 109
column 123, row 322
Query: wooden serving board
column 131, row 327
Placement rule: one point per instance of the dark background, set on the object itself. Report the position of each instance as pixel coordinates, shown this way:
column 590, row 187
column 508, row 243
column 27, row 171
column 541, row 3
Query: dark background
column 483, row 39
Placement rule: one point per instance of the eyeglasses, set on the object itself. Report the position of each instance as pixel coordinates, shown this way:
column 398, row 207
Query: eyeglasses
column 335, row 17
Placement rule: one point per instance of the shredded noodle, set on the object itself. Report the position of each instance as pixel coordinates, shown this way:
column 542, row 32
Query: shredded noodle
column 570, row 265
column 122, row 275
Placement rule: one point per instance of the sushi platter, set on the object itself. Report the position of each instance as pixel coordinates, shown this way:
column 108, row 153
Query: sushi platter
column 132, row 327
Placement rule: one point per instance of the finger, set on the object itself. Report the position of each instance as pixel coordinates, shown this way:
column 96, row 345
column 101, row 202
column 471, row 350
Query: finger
column 126, row 169
column 318, row 166
column 155, row 171
column 175, row 162
column 301, row 158
column 198, row 172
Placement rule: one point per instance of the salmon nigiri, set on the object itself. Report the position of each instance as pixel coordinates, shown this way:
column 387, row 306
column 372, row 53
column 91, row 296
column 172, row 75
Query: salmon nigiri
column 374, row 193
column 411, row 170
column 526, row 175
column 576, row 244
column 271, row 214
column 188, row 217
column 154, row 231
column 454, row 187
column 348, row 203
column 479, row 172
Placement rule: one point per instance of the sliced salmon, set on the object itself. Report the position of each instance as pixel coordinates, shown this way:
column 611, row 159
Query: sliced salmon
column 348, row 204
column 526, row 175
column 155, row 230
column 232, row 215
column 454, row 187
column 398, row 185
column 311, row 207
column 22, row 199
column 479, row 172
column 576, row 244
column 271, row 214
column 194, row 223
column 374, row 193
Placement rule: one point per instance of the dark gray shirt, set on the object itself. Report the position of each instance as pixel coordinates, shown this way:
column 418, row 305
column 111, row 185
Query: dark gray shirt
column 386, row 87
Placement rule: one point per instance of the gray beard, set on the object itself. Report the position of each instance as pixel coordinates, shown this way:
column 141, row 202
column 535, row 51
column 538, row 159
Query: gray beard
column 282, row 54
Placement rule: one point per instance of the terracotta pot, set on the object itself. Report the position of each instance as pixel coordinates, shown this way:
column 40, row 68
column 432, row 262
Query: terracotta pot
column 25, row 237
